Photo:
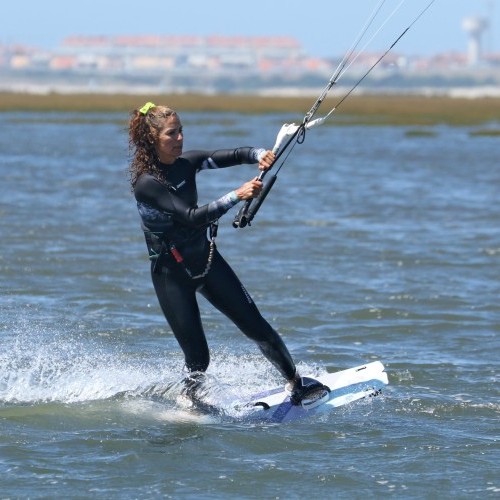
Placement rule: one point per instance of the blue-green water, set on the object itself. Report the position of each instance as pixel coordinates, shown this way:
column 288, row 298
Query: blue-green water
column 374, row 244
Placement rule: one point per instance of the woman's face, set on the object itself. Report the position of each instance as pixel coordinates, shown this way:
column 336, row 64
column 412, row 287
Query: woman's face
column 170, row 139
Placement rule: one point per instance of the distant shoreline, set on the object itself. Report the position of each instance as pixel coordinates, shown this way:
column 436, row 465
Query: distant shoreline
column 358, row 109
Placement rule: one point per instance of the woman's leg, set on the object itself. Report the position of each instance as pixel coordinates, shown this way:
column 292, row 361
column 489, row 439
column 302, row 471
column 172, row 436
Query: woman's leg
column 223, row 289
column 177, row 296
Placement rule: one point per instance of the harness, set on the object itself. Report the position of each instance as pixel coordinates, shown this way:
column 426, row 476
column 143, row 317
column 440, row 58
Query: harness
column 166, row 246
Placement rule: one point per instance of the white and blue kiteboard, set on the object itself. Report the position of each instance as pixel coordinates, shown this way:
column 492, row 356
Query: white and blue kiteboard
column 345, row 387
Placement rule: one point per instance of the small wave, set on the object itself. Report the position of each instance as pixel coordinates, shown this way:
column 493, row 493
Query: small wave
column 491, row 252
column 59, row 363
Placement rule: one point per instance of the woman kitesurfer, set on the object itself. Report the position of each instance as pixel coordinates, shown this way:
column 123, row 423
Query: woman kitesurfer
column 183, row 260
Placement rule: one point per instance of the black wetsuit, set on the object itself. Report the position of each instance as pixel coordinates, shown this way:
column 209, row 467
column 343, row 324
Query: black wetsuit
column 175, row 227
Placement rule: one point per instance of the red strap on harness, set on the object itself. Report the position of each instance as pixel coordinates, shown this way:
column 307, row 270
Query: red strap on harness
column 176, row 254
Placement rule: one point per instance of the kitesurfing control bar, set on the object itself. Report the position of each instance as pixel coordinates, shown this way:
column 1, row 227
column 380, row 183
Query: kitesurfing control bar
column 247, row 212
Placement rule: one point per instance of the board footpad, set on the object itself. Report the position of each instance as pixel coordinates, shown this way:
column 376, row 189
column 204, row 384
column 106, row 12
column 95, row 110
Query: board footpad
column 309, row 393
column 316, row 398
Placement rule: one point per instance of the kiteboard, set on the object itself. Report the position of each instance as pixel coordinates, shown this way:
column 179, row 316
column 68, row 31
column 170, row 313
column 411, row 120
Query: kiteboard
column 343, row 387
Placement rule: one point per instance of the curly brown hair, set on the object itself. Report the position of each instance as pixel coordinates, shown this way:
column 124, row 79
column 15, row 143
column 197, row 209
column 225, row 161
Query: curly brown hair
column 144, row 130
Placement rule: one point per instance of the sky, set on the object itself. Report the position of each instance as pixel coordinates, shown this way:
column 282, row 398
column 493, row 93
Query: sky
column 325, row 28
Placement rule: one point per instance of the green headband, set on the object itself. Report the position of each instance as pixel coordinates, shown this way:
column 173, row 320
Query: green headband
column 144, row 110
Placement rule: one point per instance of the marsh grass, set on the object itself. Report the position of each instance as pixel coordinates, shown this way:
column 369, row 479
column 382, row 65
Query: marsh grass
column 420, row 133
column 358, row 109
column 485, row 133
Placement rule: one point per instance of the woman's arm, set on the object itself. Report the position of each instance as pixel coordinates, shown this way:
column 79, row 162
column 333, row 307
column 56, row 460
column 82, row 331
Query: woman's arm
column 222, row 158
column 150, row 191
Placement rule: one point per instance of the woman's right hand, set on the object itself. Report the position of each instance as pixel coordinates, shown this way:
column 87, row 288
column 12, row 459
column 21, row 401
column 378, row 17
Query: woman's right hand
column 250, row 189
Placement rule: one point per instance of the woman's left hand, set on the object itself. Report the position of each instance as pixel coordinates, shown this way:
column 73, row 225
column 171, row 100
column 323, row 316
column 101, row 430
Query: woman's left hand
column 266, row 160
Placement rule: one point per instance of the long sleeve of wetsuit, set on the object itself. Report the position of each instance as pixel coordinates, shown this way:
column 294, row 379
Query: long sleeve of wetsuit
column 179, row 197
column 222, row 158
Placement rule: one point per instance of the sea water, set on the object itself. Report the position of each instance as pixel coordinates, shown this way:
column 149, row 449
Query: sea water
column 376, row 243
